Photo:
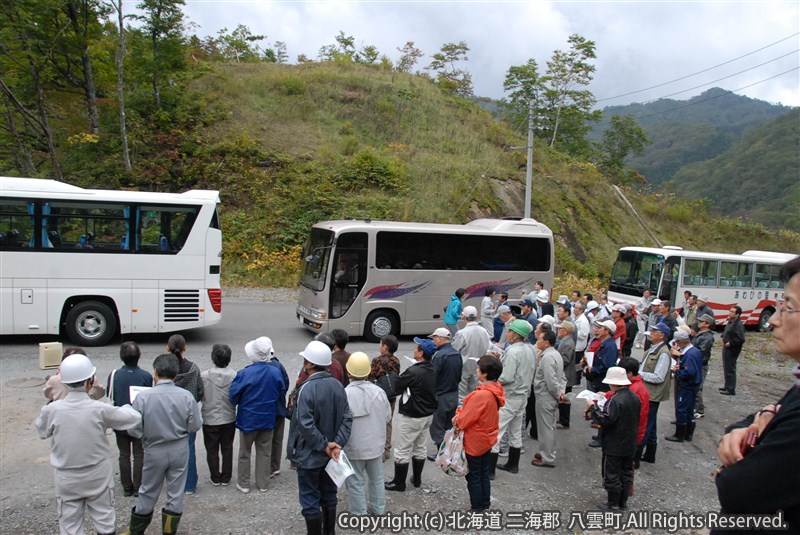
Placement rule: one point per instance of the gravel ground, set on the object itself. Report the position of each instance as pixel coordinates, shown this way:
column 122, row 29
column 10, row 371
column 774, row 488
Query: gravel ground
column 680, row 481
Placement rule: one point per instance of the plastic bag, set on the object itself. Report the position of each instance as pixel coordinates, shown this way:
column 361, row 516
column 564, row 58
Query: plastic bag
column 452, row 458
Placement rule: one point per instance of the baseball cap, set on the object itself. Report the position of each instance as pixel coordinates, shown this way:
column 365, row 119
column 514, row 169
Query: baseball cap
column 608, row 324
column 441, row 331
column 680, row 335
column 470, row 312
column 427, row 346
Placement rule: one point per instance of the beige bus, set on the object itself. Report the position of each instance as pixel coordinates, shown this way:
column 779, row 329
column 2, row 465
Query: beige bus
column 374, row 278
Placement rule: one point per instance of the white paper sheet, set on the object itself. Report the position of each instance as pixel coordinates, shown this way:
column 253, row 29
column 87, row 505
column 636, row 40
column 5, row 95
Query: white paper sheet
column 341, row 470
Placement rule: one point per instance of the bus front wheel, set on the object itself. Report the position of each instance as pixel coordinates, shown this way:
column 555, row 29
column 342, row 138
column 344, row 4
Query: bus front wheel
column 91, row 323
column 763, row 320
column 379, row 324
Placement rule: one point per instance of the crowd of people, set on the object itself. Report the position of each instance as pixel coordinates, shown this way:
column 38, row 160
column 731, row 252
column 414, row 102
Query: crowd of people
column 497, row 377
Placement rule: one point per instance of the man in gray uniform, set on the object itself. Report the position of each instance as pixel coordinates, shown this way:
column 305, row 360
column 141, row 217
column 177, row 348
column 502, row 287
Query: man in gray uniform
column 80, row 451
column 169, row 414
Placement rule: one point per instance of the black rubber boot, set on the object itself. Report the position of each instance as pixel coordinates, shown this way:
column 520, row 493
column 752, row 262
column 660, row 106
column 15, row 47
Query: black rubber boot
column 649, row 455
column 492, row 465
column 623, row 498
column 139, row 523
column 399, row 482
column 512, row 465
column 690, row 431
column 637, row 457
column 680, row 433
column 314, row 525
column 416, row 466
column 613, row 502
column 564, row 411
column 329, row 521
column 169, row 522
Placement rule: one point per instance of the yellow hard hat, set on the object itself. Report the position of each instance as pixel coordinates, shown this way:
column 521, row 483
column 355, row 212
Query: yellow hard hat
column 358, row 365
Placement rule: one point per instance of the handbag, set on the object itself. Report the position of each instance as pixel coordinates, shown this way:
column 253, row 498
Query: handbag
column 452, row 458
column 387, row 381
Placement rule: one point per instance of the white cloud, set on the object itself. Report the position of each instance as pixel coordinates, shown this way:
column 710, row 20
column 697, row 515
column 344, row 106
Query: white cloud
column 639, row 44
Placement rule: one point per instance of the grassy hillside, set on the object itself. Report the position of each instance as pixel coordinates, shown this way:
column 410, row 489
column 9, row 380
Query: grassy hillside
column 299, row 144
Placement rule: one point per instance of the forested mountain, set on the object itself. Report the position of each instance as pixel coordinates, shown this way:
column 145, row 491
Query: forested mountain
column 684, row 132
column 698, row 148
column 758, row 178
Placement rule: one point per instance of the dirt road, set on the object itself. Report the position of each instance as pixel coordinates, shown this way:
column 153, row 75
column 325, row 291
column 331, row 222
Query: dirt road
column 680, row 481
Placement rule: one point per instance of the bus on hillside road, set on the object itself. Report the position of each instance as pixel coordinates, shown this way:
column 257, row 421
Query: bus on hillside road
column 749, row 280
column 90, row 264
column 375, row 278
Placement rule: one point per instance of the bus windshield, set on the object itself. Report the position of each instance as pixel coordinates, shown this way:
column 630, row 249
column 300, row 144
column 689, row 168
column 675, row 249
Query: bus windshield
column 635, row 271
column 316, row 257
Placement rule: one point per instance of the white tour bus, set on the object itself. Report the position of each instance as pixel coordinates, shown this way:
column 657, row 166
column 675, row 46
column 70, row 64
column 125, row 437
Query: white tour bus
column 374, row 278
column 93, row 263
column 749, row 280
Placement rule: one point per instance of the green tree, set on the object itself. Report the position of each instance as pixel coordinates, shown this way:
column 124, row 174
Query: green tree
column 409, row 55
column 523, row 84
column 240, row 45
column 344, row 48
column 449, row 76
column 163, row 24
column 623, row 138
column 26, row 74
column 281, row 56
column 568, row 75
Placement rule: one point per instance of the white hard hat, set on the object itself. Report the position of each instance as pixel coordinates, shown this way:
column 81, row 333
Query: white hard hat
column 317, row 353
column 76, row 368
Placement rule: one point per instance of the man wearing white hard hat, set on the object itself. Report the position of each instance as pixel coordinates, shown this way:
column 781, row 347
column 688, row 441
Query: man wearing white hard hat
column 319, row 429
column 80, row 454
column 620, row 420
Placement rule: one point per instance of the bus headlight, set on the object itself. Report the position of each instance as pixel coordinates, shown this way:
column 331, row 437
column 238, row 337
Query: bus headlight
column 315, row 314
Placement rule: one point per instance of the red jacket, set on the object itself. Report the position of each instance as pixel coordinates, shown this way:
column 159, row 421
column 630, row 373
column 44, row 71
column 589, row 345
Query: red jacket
column 638, row 388
column 480, row 419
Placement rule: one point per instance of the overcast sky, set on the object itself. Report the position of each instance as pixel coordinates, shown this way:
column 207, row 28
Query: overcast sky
column 640, row 44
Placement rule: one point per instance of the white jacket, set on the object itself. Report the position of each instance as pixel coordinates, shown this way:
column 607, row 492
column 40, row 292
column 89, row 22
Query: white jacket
column 371, row 412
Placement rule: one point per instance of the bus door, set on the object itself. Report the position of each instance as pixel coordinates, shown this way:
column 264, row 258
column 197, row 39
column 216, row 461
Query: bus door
column 349, row 275
column 670, row 279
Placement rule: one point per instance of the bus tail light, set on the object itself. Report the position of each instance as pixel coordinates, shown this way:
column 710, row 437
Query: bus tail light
column 215, row 297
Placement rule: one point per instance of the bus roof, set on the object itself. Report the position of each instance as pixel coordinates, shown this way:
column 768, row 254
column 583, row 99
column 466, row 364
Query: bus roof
column 43, row 188
column 508, row 227
column 751, row 256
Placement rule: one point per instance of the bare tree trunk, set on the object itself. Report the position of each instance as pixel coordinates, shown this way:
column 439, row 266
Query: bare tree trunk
column 48, row 133
column 555, row 126
column 22, row 153
column 123, row 131
column 80, row 28
column 39, row 122
column 156, row 89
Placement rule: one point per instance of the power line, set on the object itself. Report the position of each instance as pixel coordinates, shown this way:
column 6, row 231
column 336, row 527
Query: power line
column 699, row 72
column 715, row 96
column 723, row 78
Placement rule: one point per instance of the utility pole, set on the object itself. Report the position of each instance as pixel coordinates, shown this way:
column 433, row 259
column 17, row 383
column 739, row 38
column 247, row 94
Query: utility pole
column 529, row 167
